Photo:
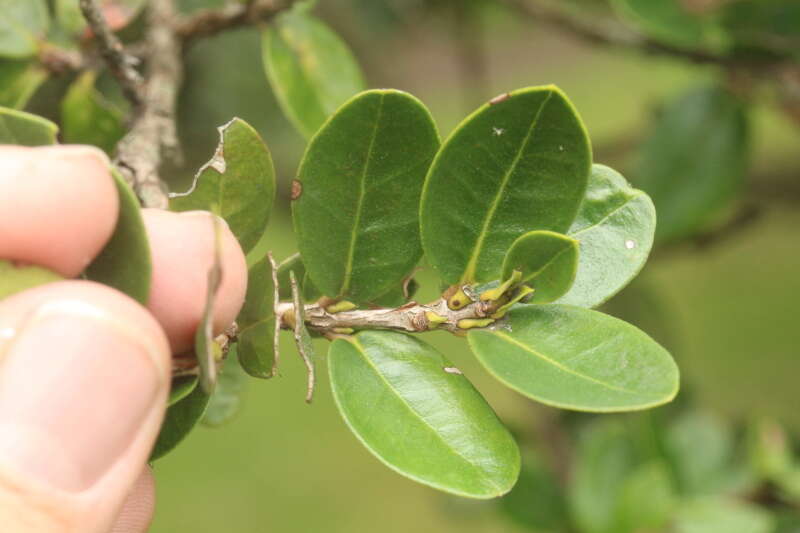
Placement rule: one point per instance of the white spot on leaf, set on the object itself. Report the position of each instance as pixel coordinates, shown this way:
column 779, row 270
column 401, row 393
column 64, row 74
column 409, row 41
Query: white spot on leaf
column 498, row 131
column 452, row 370
column 630, row 245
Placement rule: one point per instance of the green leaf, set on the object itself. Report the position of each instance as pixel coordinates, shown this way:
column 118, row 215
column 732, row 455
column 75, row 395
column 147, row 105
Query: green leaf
column 19, row 79
column 180, row 419
column 19, row 127
column 357, row 195
column 519, row 163
column 576, row 358
column 536, row 503
column 180, row 388
column 700, row 447
column 125, row 262
column 311, row 70
column 647, row 499
column 87, row 118
column 226, row 400
column 694, row 162
column 397, row 295
column 548, row 262
column 667, row 20
column 256, row 322
column 767, row 26
column 420, row 416
column 615, row 227
column 238, row 183
column 22, row 26
column 716, row 515
column 604, row 460
column 16, row 278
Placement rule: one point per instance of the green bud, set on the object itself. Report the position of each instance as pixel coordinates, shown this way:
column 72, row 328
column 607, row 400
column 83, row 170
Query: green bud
column 469, row 323
column 339, row 307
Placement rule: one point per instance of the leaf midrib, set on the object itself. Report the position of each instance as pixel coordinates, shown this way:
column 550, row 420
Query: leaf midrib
column 348, row 269
column 551, row 261
column 637, row 193
column 561, row 366
column 362, row 352
column 469, row 271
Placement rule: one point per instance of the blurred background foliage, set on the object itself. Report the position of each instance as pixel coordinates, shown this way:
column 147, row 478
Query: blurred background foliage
column 720, row 291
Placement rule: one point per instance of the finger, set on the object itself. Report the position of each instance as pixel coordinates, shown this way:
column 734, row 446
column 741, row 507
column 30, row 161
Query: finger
column 137, row 511
column 84, row 375
column 58, row 205
column 182, row 248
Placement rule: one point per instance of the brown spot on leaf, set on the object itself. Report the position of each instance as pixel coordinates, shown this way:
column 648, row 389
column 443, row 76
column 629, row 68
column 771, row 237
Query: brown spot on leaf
column 500, row 98
column 297, row 189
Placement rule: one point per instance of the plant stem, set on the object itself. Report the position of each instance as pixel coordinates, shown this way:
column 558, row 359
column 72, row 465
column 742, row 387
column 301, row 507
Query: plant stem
column 121, row 65
column 209, row 22
column 411, row 317
column 152, row 133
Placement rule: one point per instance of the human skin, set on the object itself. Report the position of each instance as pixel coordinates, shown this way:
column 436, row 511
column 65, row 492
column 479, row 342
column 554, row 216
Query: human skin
column 84, row 369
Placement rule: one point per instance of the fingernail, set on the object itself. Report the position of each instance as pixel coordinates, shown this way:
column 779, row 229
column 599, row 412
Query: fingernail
column 75, row 386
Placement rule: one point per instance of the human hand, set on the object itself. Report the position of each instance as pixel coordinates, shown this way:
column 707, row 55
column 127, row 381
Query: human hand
column 85, row 370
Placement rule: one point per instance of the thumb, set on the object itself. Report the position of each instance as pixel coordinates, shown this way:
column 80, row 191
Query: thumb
column 84, row 374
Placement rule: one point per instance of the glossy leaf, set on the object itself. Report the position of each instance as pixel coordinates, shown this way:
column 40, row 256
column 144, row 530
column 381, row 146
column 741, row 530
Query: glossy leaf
column 227, row 397
column 238, row 183
column 19, row 79
column 604, row 460
column 87, row 118
column 519, row 163
column 357, row 195
column 18, row 127
column 311, row 70
column 180, row 419
column 420, row 416
column 716, row 515
column 257, row 322
column 22, row 27
column 125, row 262
column 548, row 262
column 667, row 20
column 694, row 162
column 615, row 227
column 16, row 278
column 180, row 388
column 578, row 359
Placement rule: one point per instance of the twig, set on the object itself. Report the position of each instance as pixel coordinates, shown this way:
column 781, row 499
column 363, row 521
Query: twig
column 152, row 134
column 209, row 22
column 121, row 65
column 411, row 317
column 623, row 38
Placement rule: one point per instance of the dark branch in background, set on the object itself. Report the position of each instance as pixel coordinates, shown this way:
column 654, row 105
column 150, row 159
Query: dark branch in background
column 121, row 65
column 209, row 22
column 621, row 37
column 152, row 133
